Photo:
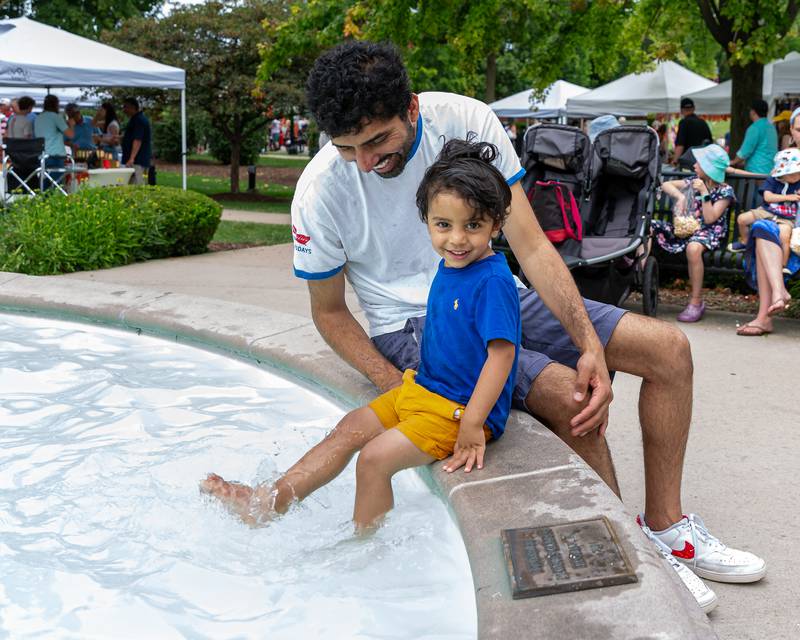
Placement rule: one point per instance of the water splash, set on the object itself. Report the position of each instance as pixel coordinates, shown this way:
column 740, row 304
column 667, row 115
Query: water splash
column 103, row 438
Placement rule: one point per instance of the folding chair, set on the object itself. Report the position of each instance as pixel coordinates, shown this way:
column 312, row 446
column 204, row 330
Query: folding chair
column 24, row 170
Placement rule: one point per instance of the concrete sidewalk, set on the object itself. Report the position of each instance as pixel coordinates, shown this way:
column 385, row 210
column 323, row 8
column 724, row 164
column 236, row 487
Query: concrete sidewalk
column 741, row 466
column 237, row 215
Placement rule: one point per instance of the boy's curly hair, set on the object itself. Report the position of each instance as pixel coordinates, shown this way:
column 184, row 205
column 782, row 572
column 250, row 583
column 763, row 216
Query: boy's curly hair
column 464, row 168
column 357, row 82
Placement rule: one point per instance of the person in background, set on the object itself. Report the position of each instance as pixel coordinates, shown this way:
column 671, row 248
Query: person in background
column 52, row 126
column 709, row 205
column 5, row 114
column 760, row 141
column 108, row 124
column 693, row 131
column 600, row 124
column 20, row 125
column 661, row 130
column 136, row 149
column 781, row 122
column 274, row 135
column 83, row 129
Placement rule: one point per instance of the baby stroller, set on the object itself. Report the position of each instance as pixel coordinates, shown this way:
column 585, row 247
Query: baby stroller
column 595, row 202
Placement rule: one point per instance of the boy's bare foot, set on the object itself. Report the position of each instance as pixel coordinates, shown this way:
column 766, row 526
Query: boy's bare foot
column 251, row 505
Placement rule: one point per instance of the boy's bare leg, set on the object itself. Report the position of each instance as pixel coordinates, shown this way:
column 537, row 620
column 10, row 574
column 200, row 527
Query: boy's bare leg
column 743, row 222
column 379, row 460
column 325, row 461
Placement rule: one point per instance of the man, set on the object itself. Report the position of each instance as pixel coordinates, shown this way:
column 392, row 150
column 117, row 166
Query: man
column 760, row 141
column 354, row 213
column 136, row 150
column 692, row 131
column 82, row 129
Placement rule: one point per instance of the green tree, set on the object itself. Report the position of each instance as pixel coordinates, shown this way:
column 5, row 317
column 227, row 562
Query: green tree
column 218, row 44
column 751, row 33
column 84, row 17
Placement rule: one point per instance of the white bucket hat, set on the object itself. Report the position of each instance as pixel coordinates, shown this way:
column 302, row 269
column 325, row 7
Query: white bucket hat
column 786, row 162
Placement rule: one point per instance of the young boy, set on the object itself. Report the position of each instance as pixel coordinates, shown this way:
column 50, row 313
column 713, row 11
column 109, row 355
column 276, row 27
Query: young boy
column 461, row 395
column 781, row 198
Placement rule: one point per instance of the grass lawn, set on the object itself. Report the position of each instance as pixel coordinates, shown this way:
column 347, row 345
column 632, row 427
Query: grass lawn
column 275, row 160
column 218, row 186
column 252, row 233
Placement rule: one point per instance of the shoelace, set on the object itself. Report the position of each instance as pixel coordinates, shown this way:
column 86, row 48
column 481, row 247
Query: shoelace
column 698, row 529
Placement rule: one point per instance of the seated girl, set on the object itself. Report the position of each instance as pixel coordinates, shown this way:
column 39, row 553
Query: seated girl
column 707, row 215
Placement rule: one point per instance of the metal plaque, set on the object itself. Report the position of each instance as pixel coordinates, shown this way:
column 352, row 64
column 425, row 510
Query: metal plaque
column 565, row 557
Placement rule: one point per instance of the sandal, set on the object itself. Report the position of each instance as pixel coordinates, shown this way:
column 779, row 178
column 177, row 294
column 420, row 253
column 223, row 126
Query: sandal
column 751, row 329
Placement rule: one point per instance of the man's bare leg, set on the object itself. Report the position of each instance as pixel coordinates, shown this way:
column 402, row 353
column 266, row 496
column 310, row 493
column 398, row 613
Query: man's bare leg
column 325, row 461
column 550, row 400
column 660, row 354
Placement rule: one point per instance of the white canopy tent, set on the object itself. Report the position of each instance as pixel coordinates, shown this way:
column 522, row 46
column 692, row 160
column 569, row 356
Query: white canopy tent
column 638, row 94
column 780, row 77
column 523, row 104
column 36, row 55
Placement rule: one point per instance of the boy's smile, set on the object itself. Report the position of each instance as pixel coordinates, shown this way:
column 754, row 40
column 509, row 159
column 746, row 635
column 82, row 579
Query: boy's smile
column 459, row 235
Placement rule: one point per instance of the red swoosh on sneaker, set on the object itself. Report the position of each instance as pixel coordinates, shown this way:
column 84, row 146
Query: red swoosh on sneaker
column 687, row 553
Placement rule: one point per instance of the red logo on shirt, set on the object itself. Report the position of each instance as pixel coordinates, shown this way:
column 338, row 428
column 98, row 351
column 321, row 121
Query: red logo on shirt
column 301, row 239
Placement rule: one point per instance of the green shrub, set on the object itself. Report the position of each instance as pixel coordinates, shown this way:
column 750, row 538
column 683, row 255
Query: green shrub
column 167, row 135
column 102, row 228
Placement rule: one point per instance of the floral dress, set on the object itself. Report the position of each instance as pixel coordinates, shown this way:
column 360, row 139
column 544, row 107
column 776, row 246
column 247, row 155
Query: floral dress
column 709, row 235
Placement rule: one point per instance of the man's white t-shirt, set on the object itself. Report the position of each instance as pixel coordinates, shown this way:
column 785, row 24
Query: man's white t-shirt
column 343, row 218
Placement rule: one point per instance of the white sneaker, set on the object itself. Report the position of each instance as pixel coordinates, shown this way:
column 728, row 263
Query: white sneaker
column 692, row 544
column 705, row 597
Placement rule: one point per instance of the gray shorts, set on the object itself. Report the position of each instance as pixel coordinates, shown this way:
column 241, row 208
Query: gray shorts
column 543, row 340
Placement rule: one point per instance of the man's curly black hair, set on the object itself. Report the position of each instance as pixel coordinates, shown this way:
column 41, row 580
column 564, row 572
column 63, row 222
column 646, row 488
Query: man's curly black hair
column 464, row 168
column 355, row 83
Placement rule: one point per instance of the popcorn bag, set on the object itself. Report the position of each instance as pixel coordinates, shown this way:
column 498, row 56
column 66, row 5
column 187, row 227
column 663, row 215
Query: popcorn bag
column 684, row 222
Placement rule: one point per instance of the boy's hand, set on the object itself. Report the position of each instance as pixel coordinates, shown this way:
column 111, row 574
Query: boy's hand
column 793, row 197
column 468, row 451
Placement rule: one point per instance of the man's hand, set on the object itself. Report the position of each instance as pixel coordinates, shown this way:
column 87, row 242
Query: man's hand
column 592, row 378
column 468, row 451
column 129, row 164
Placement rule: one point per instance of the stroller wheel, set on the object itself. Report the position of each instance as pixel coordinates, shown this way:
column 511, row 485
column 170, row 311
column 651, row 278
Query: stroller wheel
column 650, row 287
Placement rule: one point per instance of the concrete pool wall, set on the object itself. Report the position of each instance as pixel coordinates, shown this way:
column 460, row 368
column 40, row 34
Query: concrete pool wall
column 531, row 478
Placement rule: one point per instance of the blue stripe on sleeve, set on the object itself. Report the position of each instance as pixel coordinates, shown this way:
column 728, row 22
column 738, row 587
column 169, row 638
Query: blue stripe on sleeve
column 516, row 177
column 319, row 275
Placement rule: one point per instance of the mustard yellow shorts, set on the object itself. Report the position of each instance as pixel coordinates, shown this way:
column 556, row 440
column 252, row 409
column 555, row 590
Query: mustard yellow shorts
column 429, row 420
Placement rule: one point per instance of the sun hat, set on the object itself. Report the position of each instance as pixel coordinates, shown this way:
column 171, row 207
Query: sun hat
column 600, row 124
column 783, row 116
column 712, row 160
column 786, row 162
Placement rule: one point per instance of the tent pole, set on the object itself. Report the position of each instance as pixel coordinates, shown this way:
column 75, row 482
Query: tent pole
column 183, row 138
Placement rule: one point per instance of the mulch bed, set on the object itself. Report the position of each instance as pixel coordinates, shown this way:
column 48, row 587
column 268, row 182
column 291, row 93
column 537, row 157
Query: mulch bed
column 287, row 176
column 721, row 299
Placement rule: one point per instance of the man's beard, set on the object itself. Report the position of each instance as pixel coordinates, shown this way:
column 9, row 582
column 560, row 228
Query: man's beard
column 402, row 155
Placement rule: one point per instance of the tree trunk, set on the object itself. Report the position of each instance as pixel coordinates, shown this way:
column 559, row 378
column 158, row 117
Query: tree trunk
column 236, row 152
column 747, row 84
column 491, row 77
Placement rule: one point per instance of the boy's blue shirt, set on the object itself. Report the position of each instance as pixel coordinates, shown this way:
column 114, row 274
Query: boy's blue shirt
column 468, row 307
